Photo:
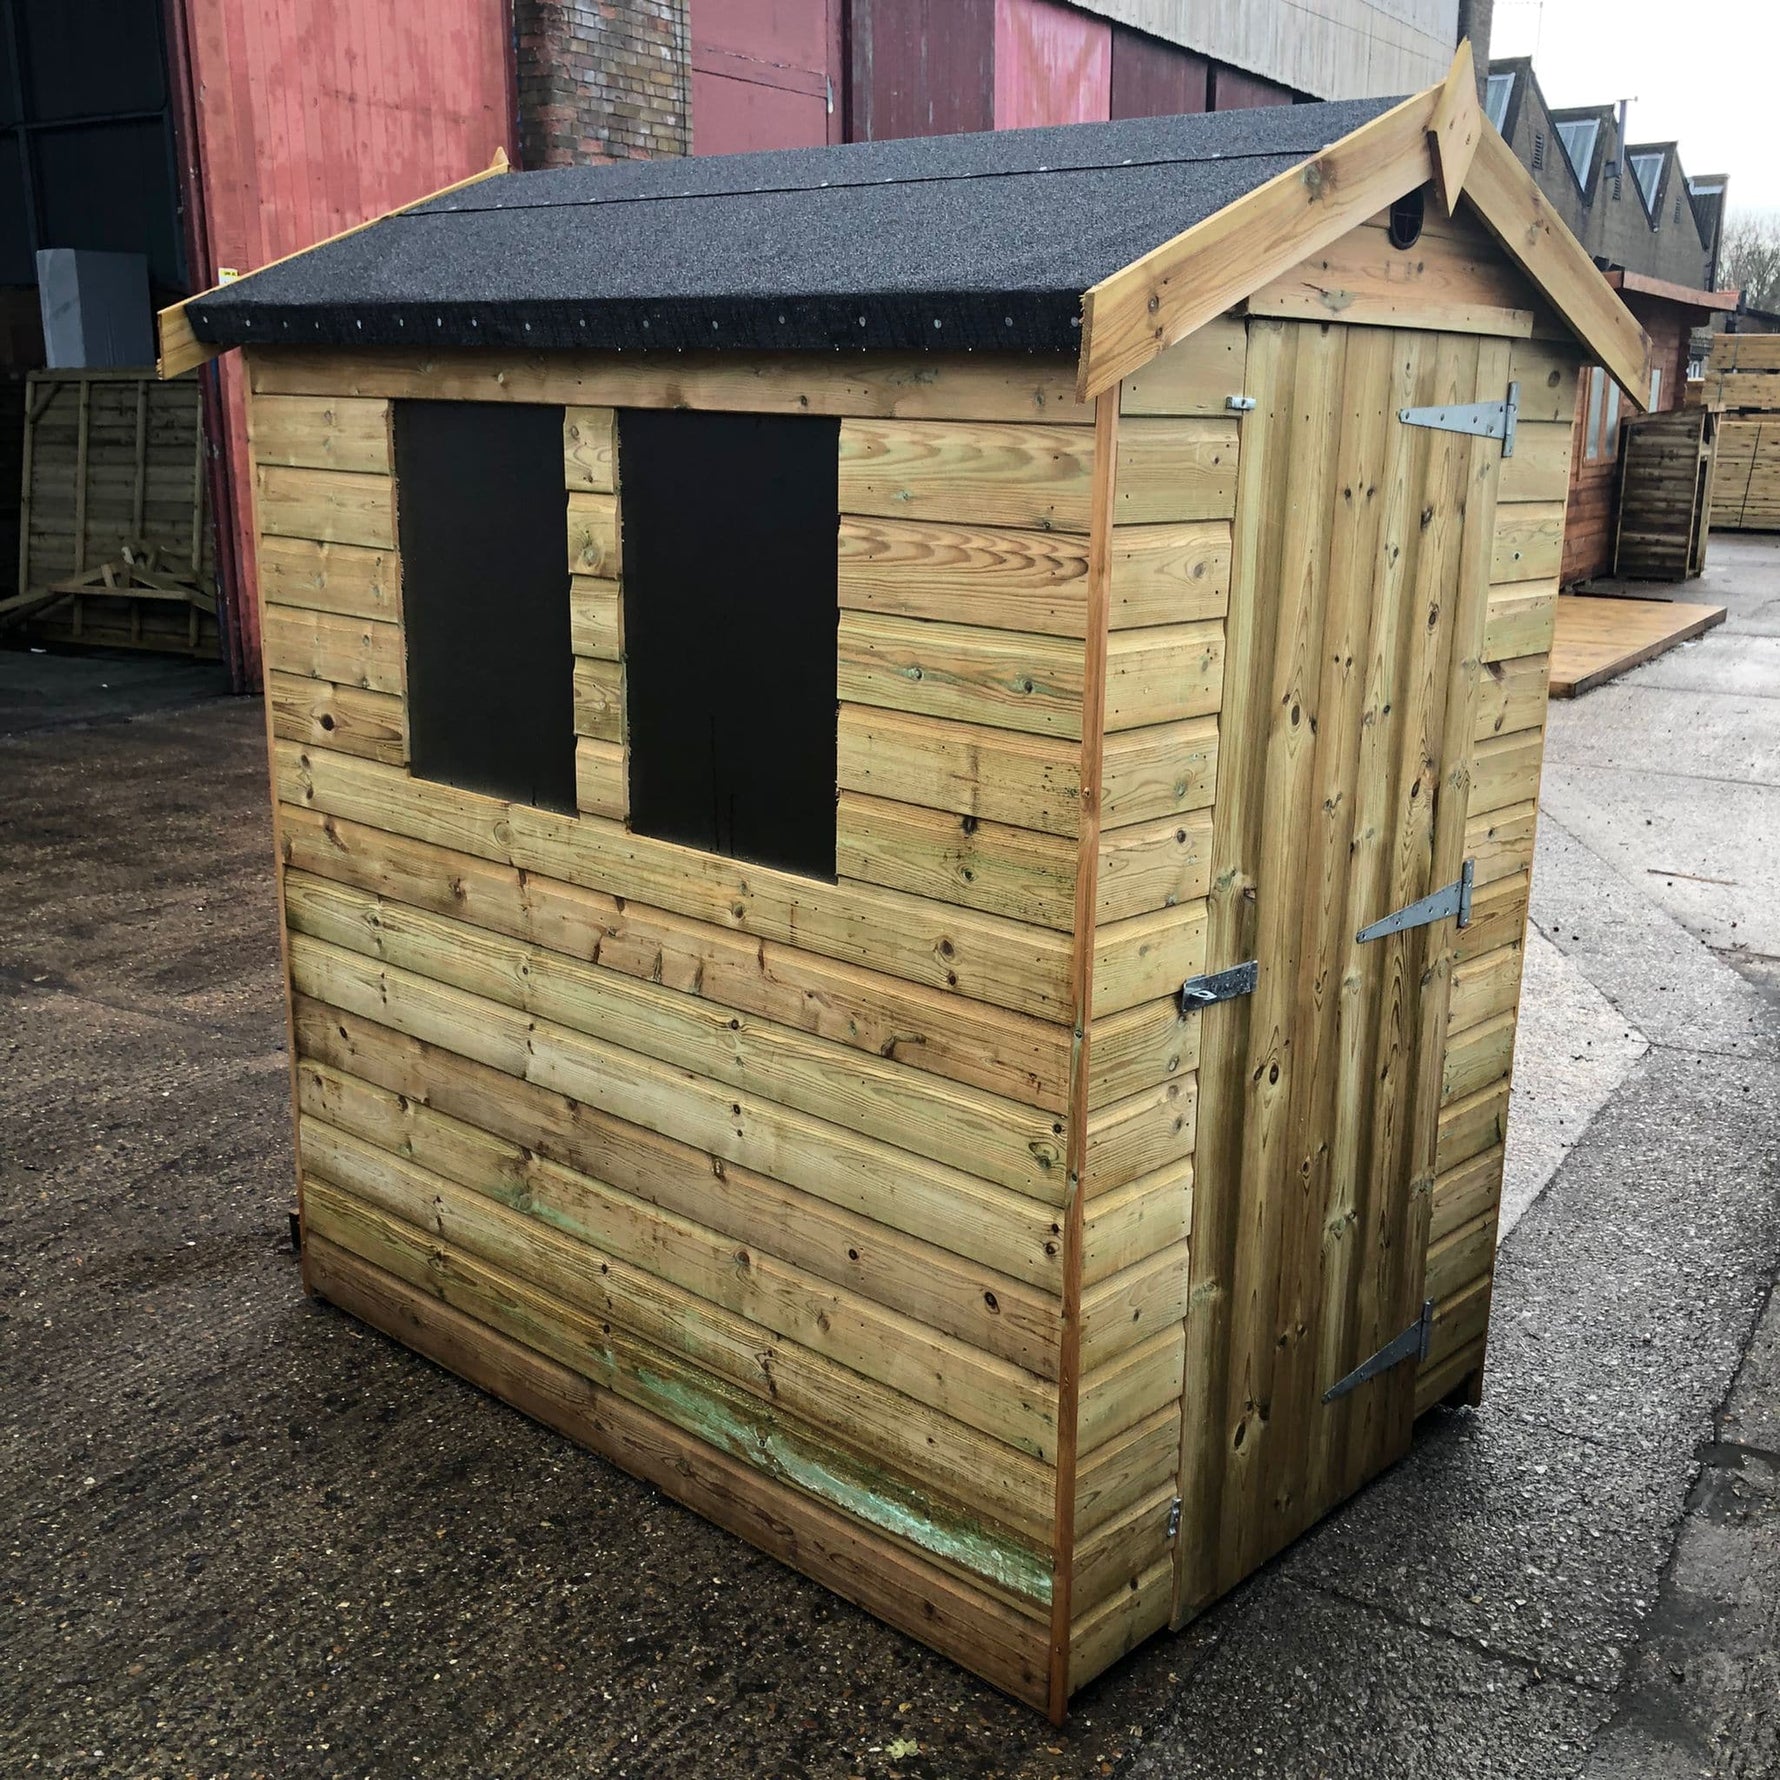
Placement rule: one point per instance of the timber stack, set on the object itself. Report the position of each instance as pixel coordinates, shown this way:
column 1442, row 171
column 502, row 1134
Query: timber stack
column 1742, row 382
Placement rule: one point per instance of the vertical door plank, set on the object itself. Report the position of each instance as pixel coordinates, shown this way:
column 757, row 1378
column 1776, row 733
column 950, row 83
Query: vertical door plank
column 1262, row 486
column 1319, row 1191
column 1298, row 594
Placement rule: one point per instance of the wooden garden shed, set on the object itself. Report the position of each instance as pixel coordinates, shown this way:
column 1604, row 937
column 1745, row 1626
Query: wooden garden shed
column 837, row 718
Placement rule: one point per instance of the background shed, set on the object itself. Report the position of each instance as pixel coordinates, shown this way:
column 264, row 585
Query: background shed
column 901, row 1179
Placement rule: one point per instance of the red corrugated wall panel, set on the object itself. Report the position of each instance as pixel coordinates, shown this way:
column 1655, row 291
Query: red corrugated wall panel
column 1053, row 65
column 1232, row 90
column 764, row 74
column 312, row 116
column 921, row 67
column 1151, row 78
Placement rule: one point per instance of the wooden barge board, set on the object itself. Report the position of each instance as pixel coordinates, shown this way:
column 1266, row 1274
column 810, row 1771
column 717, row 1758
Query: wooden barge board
column 1598, row 639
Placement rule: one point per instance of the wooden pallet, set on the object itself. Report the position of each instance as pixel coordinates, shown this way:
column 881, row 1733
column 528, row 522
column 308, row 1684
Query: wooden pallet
column 1666, row 470
column 1596, row 640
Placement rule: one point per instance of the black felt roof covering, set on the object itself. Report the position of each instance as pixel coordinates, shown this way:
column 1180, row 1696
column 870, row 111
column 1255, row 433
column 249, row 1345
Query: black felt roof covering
column 944, row 243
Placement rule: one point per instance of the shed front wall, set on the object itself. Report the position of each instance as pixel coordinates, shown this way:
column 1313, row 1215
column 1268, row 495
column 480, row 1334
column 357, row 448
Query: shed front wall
column 758, row 1184
column 1190, row 1471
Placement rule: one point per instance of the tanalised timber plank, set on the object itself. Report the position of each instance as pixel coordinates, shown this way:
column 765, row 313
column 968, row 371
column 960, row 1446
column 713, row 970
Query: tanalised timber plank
column 1511, row 695
column 1140, row 1046
column 992, row 866
column 991, row 1137
column 1161, row 769
column 599, row 699
column 1506, row 770
column 981, row 957
column 420, row 1100
column 1024, row 1059
column 322, row 433
column 830, row 1546
column 993, row 775
column 1004, row 679
column 372, row 725
column 1153, row 865
column 1126, row 1468
column 1529, row 542
column 596, row 618
column 1163, row 673
column 997, row 1226
column 1521, row 617
column 1137, row 1220
column 357, row 652
column 1112, row 1560
column 593, row 535
column 1145, row 957
column 976, row 474
column 907, row 385
column 349, row 579
column 589, row 445
column 1130, row 1388
column 652, row 1271
column 1500, row 842
column 602, row 783
column 1114, row 1627
column 1196, row 375
column 1004, row 579
column 1127, row 1307
column 330, row 506
column 1175, row 469
column 1169, row 574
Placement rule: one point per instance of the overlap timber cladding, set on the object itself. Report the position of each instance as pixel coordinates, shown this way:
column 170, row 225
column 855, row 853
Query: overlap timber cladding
column 754, row 1182
column 1502, row 810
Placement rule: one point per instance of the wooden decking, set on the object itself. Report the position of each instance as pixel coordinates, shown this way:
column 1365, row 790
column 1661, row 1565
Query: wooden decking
column 1596, row 640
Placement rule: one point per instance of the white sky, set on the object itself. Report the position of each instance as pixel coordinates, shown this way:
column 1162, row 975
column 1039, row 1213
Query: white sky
column 1703, row 74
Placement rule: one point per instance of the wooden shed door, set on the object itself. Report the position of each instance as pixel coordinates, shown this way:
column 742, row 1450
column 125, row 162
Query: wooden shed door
column 1350, row 698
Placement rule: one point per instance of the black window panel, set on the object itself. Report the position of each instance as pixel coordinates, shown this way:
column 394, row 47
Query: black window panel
column 730, row 616
column 483, row 527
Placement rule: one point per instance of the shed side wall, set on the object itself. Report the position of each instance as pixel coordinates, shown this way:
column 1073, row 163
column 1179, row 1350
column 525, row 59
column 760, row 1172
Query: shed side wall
column 755, row 1182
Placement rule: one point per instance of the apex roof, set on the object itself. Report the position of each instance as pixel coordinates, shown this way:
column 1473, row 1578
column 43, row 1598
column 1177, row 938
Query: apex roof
column 981, row 241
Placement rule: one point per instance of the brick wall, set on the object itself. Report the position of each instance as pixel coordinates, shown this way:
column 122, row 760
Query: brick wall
column 601, row 80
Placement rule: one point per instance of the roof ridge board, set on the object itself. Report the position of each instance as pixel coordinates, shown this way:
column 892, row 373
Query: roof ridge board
column 1182, row 138
column 761, row 191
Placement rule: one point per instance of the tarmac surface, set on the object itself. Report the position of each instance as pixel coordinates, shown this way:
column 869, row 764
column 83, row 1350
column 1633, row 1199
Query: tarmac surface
column 245, row 1536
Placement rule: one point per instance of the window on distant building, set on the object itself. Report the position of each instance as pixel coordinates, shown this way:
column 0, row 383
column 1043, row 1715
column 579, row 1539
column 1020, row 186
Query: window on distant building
column 1656, row 389
column 1647, row 169
column 1597, row 385
column 731, row 612
column 1495, row 104
column 1578, row 137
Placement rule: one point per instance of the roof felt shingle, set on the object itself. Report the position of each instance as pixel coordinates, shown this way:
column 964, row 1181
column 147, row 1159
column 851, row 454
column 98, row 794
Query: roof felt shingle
column 951, row 242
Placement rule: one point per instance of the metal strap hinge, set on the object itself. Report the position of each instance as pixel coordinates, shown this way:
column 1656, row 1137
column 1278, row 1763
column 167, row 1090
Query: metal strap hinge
column 1220, row 985
column 1174, row 1517
column 1240, row 404
column 1488, row 420
column 1412, row 1344
column 1454, row 899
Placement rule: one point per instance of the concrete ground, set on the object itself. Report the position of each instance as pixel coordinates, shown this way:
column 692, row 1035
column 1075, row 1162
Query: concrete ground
column 245, row 1536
